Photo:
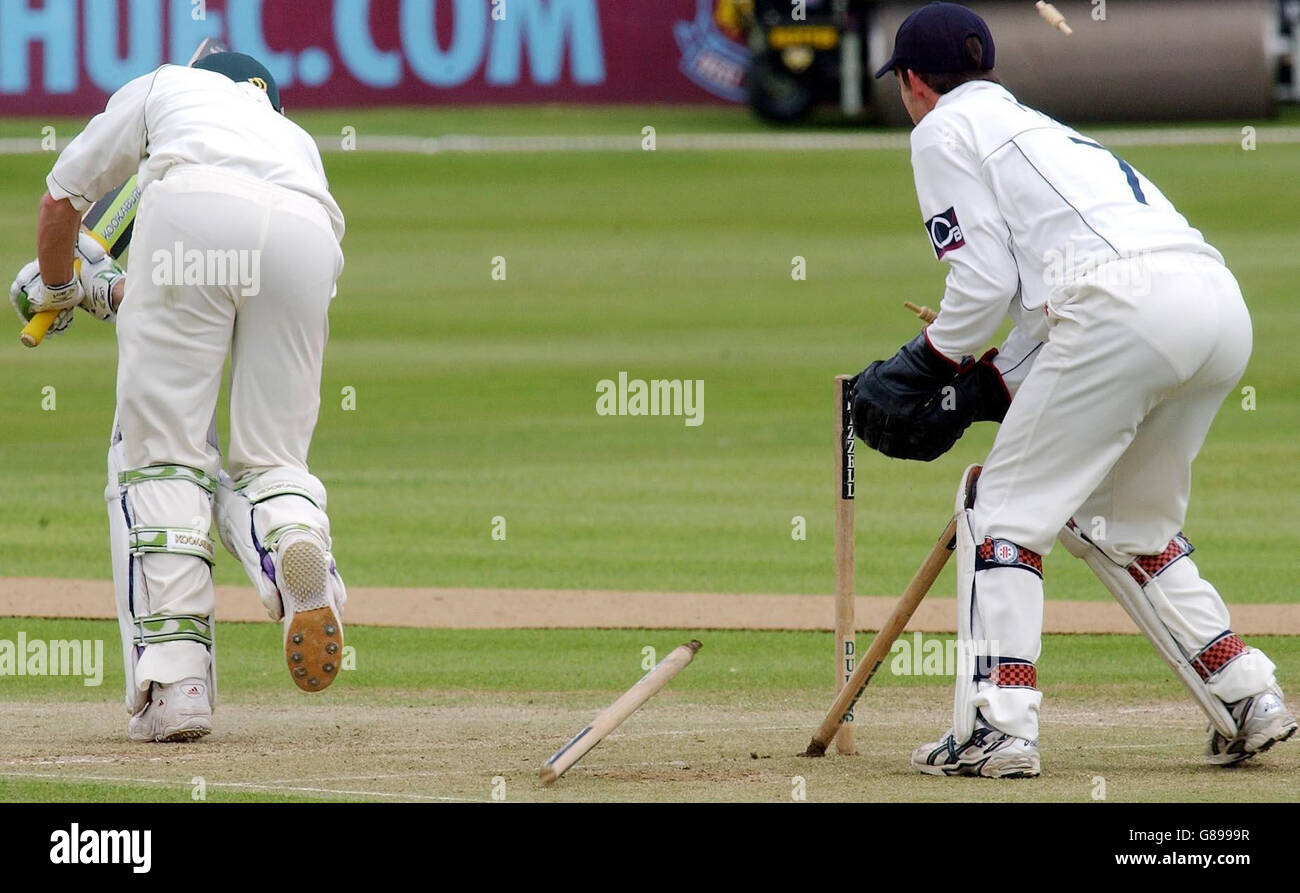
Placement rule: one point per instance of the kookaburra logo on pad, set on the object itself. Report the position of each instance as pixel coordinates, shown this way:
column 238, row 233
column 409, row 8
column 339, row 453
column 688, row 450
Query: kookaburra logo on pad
column 945, row 232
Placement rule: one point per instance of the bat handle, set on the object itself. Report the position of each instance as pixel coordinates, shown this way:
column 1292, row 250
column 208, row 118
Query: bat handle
column 34, row 332
column 39, row 325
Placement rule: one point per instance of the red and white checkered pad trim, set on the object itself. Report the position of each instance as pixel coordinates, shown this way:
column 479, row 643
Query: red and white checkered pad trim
column 1144, row 567
column 1218, row 654
column 1015, row 675
column 991, row 550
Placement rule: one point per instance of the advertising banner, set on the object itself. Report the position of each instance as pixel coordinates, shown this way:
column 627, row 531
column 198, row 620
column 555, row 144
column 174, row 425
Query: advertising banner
column 67, row 56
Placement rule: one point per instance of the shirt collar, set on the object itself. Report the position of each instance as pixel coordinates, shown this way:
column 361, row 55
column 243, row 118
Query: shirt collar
column 967, row 89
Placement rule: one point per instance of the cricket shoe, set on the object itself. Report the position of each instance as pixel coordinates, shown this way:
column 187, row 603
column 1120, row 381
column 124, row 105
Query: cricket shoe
column 177, row 711
column 988, row 753
column 1262, row 721
column 313, row 633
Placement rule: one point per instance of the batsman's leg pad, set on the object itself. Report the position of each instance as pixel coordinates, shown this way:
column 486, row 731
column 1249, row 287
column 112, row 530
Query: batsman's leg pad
column 119, row 535
column 1139, row 588
column 235, row 526
column 159, row 518
column 255, row 514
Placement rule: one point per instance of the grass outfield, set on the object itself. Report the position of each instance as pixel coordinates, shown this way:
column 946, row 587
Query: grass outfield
column 476, row 398
column 438, row 714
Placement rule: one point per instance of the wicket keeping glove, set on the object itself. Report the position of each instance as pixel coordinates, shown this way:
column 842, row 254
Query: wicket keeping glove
column 917, row 404
column 978, row 394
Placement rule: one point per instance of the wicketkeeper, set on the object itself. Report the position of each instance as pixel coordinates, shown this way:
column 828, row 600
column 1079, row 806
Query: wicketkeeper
column 235, row 251
column 1129, row 333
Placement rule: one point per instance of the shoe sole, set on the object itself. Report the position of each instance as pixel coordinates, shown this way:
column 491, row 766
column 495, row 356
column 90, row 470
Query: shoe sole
column 313, row 643
column 1019, row 769
column 1275, row 739
column 183, row 735
column 1285, row 734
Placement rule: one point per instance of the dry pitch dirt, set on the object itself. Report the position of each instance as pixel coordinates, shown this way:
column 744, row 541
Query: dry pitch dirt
column 584, row 609
column 467, row 746
column 454, row 746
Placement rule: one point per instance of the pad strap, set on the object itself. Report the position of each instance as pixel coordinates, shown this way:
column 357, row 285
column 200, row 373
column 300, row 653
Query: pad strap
column 1012, row 672
column 176, row 540
column 261, row 493
column 1218, row 654
column 173, row 628
column 1004, row 553
column 1145, row 567
column 269, row 543
column 168, row 472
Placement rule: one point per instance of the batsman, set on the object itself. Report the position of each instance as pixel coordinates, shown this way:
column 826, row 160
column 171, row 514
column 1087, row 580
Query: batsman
column 1129, row 332
column 235, row 251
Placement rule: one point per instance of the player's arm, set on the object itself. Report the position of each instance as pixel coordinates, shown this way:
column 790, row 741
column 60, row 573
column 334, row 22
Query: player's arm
column 57, row 225
column 107, row 151
column 1016, row 357
column 967, row 232
column 96, row 283
column 98, row 159
column 916, row 404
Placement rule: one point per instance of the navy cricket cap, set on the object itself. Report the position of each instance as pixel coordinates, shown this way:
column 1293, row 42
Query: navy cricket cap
column 932, row 40
column 239, row 67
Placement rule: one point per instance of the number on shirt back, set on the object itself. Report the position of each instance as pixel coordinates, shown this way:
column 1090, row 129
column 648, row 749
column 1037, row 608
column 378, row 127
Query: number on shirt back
column 1123, row 165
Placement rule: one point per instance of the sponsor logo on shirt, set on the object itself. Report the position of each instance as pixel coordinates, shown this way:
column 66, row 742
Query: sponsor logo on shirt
column 945, row 232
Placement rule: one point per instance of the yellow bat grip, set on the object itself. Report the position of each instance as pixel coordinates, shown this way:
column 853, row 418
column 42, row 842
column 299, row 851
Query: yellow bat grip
column 39, row 325
column 34, row 332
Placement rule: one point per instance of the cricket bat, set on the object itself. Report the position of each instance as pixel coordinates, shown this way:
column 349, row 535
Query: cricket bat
column 110, row 221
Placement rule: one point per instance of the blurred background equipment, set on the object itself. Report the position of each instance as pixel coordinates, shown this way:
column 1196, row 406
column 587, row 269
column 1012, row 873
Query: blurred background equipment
column 802, row 55
column 1158, row 59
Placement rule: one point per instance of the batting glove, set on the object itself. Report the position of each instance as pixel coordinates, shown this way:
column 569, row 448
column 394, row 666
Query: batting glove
column 56, row 297
column 28, row 282
column 98, row 272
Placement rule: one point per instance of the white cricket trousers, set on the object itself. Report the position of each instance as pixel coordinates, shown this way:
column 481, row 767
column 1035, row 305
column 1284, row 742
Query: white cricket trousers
column 1139, row 358
column 220, row 264
column 173, row 338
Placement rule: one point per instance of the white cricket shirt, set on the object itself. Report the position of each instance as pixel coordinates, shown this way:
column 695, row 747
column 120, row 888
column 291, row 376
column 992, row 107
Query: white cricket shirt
column 1018, row 204
column 177, row 115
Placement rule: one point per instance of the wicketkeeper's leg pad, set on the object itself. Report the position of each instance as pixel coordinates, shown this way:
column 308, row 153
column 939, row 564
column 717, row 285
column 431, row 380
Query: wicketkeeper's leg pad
column 159, row 519
column 255, row 513
column 999, row 629
column 1185, row 619
column 1230, row 668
